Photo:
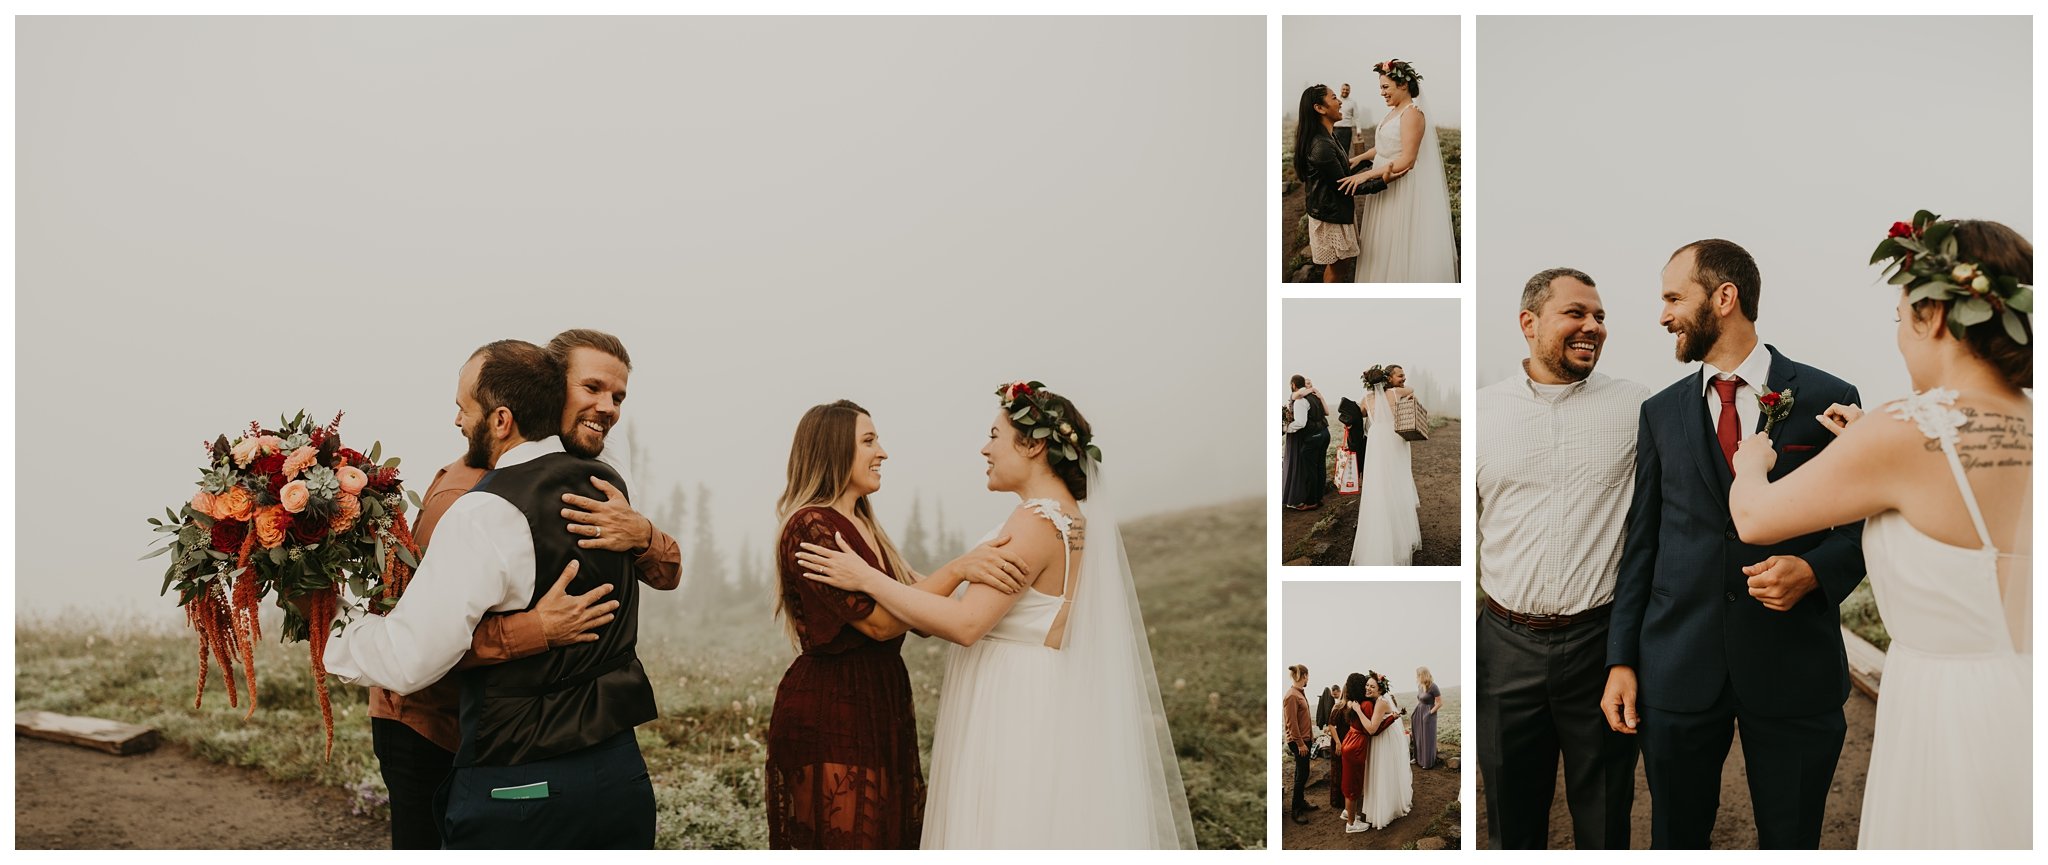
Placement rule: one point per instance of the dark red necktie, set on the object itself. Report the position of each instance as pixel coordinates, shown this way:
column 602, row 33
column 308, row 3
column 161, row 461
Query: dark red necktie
column 1729, row 430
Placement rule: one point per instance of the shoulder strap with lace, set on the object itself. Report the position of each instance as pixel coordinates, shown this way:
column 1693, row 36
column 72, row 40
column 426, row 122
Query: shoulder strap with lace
column 1050, row 510
column 1935, row 413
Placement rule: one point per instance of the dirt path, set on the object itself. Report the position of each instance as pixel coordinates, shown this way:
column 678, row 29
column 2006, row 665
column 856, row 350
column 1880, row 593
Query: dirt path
column 71, row 798
column 1323, row 536
column 1436, row 790
column 1736, row 828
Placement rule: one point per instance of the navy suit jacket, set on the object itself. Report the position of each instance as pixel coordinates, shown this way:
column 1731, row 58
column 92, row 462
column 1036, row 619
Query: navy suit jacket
column 1683, row 617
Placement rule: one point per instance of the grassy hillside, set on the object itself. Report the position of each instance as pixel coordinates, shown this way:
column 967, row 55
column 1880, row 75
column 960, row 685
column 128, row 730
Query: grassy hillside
column 1200, row 580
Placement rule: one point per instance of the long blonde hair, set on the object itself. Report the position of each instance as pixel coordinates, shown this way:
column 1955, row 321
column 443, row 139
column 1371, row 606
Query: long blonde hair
column 820, row 462
column 1422, row 675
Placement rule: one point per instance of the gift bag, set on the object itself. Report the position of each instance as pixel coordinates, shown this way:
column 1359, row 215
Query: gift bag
column 1347, row 472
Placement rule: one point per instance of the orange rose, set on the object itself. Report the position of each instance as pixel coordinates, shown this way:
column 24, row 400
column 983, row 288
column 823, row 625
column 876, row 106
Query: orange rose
column 270, row 444
column 270, row 526
column 202, row 502
column 246, row 450
column 294, row 495
column 352, row 479
column 235, row 504
column 346, row 509
column 299, row 461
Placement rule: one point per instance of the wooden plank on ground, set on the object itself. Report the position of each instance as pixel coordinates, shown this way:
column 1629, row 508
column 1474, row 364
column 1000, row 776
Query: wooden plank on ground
column 99, row 734
column 1866, row 663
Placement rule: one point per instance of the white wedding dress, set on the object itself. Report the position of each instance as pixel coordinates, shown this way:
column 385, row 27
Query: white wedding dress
column 1059, row 748
column 1404, row 231
column 1389, row 529
column 1952, row 759
column 1389, row 783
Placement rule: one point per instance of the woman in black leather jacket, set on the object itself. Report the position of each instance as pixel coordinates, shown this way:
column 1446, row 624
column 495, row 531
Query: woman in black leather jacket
column 1319, row 162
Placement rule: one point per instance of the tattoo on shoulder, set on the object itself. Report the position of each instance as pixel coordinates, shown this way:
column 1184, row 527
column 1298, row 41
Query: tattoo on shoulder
column 1991, row 440
column 1077, row 536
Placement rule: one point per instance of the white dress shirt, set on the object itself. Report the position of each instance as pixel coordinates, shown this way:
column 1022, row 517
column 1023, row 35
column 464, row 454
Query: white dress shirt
column 1554, row 473
column 1300, row 415
column 482, row 562
column 1349, row 116
column 1755, row 371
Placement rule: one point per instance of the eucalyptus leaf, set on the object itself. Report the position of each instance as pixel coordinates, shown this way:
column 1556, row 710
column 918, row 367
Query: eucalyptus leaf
column 159, row 551
column 1903, row 277
column 1922, row 217
column 1948, row 246
column 1933, row 290
column 1970, row 311
column 1019, row 414
column 391, row 463
column 1887, row 248
column 2013, row 328
column 1041, row 432
column 277, row 555
column 376, row 450
column 2022, row 299
column 406, row 556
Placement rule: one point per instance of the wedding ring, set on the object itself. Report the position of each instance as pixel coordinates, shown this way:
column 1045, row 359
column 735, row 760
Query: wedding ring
column 597, row 531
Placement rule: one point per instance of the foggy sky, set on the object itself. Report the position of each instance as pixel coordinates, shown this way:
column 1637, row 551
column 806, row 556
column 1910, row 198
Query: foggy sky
column 1331, row 341
column 1334, row 49
column 1340, row 627
column 221, row 219
column 1801, row 139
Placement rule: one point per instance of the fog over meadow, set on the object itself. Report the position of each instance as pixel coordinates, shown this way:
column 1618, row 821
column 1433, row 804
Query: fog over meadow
column 224, row 218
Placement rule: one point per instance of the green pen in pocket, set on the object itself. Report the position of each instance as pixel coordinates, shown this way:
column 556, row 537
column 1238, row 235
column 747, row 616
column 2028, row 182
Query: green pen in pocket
column 538, row 790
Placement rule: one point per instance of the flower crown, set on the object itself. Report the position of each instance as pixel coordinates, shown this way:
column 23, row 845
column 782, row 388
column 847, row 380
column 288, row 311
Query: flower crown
column 1398, row 71
column 1042, row 419
column 1924, row 264
column 1377, row 375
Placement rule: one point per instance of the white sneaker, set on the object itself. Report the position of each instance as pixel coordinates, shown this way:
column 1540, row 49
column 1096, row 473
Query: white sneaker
column 1350, row 828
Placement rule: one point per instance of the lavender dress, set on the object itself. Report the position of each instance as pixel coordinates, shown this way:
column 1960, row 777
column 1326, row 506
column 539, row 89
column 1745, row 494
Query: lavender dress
column 1424, row 726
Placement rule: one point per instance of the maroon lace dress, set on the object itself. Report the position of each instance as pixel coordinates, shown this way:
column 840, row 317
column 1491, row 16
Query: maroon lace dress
column 842, row 741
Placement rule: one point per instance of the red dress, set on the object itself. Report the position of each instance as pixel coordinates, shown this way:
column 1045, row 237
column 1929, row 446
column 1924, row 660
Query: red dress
column 842, row 740
column 1355, row 752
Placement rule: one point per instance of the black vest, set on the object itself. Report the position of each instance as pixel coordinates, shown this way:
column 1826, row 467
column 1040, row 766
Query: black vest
column 570, row 697
column 1318, row 417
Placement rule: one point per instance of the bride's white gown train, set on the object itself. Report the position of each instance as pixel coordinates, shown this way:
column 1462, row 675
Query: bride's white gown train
column 1959, row 777
column 1059, row 748
column 1404, row 232
column 1389, row 529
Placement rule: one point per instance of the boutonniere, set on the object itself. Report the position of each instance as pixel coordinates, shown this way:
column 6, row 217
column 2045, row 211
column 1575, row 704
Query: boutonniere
column 1775, row 406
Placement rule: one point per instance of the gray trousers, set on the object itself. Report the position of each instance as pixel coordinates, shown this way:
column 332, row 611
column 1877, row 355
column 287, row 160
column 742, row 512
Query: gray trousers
column 1539, row 700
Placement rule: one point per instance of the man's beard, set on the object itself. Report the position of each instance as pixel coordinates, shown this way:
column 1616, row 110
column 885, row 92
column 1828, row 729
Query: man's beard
column 1559, row 362
column 479, row 456
column 1698, row 336
column 572, row 441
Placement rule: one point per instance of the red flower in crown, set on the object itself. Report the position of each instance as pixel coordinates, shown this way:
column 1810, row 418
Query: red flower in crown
column 1903, row 229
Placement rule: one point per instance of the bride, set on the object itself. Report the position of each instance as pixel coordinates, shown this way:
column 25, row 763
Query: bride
column 1389, row 783
column 1050, row 732
column 1389, row 531
column 1943, row 479
column 1404, row 232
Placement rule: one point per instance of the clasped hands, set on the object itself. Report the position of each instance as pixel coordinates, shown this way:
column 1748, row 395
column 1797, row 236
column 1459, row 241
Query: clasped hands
column 989, row 564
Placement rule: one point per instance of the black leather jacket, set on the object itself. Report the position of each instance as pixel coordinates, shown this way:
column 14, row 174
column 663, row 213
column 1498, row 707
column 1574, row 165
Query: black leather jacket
column 1326, row 166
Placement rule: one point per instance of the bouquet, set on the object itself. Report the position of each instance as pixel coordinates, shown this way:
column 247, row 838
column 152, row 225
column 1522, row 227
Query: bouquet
column 288, row 512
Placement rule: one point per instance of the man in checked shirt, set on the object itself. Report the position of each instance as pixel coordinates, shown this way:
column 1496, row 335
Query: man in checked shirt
column 1555, row 471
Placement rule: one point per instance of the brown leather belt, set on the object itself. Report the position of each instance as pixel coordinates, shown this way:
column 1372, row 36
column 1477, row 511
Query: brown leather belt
column 1545, row 623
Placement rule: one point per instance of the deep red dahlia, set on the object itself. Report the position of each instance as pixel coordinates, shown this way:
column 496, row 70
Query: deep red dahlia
column 349, row 457
column 228, row 535
column 308, row 531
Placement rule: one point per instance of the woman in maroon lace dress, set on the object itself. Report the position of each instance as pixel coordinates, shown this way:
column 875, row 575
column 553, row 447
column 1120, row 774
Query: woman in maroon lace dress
column 842, row 740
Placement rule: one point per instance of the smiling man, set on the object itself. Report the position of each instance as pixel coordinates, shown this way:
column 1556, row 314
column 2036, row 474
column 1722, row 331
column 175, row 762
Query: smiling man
column 1555, row 468
column 416, row 735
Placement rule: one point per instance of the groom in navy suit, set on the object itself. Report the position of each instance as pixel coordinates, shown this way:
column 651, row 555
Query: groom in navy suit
column 1709, row 633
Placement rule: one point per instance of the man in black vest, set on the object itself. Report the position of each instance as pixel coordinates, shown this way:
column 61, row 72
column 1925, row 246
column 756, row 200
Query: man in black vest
column 547, row 756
